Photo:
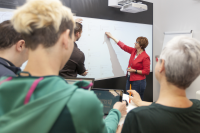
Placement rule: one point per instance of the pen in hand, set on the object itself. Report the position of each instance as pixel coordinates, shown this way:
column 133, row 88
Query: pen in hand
column 130, row 95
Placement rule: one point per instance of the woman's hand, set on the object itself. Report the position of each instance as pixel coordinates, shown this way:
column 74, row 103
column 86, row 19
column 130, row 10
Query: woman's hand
column 109, row 35
column 136, row 97
column 131, row 70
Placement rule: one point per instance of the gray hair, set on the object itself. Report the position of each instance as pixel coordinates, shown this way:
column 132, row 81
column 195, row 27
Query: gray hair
column 182, row 61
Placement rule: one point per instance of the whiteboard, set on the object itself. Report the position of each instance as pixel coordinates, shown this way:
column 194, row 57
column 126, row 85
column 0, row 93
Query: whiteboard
column 103, row 57
column 5, row 14
column 170, row 35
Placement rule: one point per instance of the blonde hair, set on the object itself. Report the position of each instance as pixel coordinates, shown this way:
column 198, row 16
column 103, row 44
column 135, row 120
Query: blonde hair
column 43, row 16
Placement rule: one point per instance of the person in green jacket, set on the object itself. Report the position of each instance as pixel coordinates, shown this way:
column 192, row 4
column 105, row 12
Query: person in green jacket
column 173, row 112
column 38, row 100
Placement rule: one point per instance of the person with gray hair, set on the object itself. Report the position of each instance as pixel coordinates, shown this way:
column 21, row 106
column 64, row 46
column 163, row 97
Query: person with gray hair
column 173, row 112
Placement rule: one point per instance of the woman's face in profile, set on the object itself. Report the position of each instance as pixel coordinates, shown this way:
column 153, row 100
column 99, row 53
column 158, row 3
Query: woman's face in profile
column 137, row 45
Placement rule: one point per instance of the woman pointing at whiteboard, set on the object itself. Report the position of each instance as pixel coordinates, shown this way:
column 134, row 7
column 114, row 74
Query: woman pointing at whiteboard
column 139, row 63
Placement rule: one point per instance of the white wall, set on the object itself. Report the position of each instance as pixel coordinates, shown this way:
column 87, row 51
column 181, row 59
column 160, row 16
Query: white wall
column 175, row 15
column 6, row 10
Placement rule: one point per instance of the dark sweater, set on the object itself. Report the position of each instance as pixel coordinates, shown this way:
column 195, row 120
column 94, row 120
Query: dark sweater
column 75, row 64
column 158, row 118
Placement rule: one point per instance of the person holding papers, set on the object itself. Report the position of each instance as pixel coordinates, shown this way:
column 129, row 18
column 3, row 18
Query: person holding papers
column 139, row 63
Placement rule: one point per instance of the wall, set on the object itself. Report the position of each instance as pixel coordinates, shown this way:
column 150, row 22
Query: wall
column 174, row 15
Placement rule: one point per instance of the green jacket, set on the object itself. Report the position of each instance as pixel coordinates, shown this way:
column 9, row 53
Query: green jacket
column 84, row 112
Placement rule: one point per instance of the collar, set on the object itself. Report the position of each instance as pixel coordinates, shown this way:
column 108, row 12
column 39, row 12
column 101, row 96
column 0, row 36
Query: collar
column 9, row 65
column 75, row 45
column 6, row 62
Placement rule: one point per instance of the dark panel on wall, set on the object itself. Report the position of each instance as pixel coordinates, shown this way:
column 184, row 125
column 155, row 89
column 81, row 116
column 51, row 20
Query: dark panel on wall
column 120, row 83
column 11, row 4
column 95, row 9
column 100, row 9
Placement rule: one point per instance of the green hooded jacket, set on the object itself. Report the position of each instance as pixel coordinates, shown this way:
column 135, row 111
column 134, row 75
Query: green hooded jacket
column 43, row 109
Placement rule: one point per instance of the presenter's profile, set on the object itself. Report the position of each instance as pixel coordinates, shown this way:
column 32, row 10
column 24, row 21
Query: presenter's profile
column 139, row 63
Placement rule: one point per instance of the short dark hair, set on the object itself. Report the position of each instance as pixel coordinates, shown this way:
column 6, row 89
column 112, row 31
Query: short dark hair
column 78, row 28
column 8, row 35
column 143, row 42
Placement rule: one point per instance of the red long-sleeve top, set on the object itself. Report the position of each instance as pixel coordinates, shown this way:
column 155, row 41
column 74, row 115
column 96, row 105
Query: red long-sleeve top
column 142, row 62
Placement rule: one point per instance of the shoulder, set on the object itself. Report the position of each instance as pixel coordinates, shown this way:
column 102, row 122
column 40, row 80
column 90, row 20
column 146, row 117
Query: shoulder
column 5, row 71
column 143, row 111
column 134, row 50
column 145, row 55
column 78, row 53
column 86, row 96
column 196, row 102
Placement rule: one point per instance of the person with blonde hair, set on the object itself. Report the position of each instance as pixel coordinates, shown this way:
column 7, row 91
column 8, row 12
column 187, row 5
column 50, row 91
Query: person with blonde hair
column 173, row 112
column 38, row 100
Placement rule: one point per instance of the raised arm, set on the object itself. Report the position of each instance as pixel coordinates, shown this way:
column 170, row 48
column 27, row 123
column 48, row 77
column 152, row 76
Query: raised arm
column 120, row 44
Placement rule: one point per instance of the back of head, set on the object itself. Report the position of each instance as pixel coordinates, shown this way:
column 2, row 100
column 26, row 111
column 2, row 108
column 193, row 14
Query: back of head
column 78, row 28
column 182, row 59
column 8, row 35
column 42, row 22
column 143, row 42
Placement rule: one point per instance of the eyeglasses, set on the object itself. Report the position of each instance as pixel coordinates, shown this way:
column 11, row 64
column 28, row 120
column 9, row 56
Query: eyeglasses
column 137, row 42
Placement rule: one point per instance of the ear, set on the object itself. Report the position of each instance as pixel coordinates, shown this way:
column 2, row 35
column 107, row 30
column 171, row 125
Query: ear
column 20, row 45
column 162, row 66
column 65, row 40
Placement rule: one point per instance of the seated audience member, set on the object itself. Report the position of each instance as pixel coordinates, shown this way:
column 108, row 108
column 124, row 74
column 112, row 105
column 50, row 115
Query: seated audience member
column 42, row 102
column 173, row 112
column 12, row 50
column 75, row 65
